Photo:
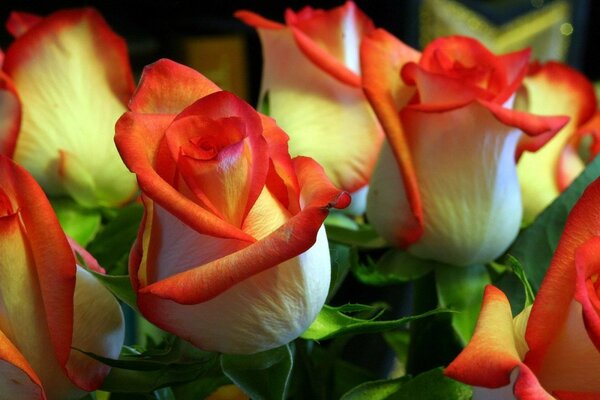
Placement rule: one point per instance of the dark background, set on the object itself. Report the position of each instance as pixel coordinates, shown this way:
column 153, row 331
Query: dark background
column 153, row 28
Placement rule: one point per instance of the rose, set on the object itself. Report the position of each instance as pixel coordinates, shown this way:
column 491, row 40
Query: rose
column 10, row 112
column 549, row 89
column 553, row 347
column 311, row 86
column 50, row 307
column 231, row 254
column 445, row 185
column 72, row 75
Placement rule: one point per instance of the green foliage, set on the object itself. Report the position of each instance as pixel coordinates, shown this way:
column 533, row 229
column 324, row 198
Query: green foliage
column 519, row 272
column 143, row 372
column 80, row 223
column 363, row 236
column 394, row 266
column 431, row 385
column 113, row 242
column 263, row 376
column 334, row 322
column 461, row 289
column 120, row 286
column 535, row 245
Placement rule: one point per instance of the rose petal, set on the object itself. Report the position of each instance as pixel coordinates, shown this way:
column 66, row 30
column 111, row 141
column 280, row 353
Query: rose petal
column 167, row 87
column 553, row 89
column 473, row 169
column 331, row 39
column 587, row 263
column 346, row 147
column 491, row 355
column 48, row 250
column 257, row 21
column 382, row 57
column 20, row 22
column 139, row 138
column 10, row 115
column 98, row 328
column 263, row 311
column 89, row 67
column 553, row 301
column 209, row 280
column 17, row 378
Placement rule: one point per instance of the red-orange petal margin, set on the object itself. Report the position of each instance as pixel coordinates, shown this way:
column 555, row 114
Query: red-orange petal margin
column 54, row 261
column 205, row 282
column 138, row 139
column 167, row 87
column 491, row 355
column 558, row 287
column 382, row 57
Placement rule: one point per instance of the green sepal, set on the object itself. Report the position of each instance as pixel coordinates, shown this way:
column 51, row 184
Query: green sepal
column 263, row 376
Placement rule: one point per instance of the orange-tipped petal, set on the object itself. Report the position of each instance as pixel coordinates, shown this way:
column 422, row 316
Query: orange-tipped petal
column 20, row 22
column 327, row 120
column 551, row 89
column 491, row 355
column 167, row 87
column 554, row 302
column 257, row 21
column 209, row 280
column 89, row 66
column 139, row 138
column 382, row 57
column 331, row 39
column 17, row 379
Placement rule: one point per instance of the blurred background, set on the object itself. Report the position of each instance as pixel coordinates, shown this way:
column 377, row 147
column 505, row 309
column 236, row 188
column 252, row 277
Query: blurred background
column 206, row 36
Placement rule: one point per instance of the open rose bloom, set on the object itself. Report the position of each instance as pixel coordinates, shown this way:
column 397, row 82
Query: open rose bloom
column 551, row 350
column 70, row 74
column 311, row 85
column 445, row 185
column 50, row 308
column 231, row 254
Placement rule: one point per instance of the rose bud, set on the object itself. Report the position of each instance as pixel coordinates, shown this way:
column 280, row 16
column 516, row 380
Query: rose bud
column 231, row 254
column 73, row 78
column 445, row 185
column 552, row 347
column 51, row 309
column 553, row 88
column 312, row 86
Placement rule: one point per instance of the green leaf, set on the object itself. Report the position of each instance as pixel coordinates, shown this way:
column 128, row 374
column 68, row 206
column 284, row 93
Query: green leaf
column 519, row 272
column 332, row 322
column 173, row 361
column 200, row 388
column 112, row 244
column 395, row 266
column 338, row 218
column 80, row 223
column 398, row 340
column 363, row 237
column 263, row 376
column 340, row 265
column 431, row 385
column 535, row 246
column 265, row 104
column 120, row 286
column 461, row 289
column 376, row 390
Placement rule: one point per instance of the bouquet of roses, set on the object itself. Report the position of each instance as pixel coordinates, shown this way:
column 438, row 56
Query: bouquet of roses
column 165, row 240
